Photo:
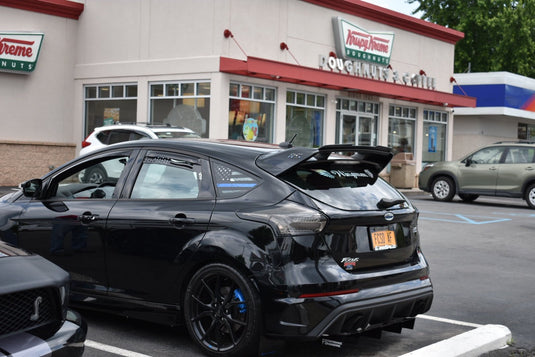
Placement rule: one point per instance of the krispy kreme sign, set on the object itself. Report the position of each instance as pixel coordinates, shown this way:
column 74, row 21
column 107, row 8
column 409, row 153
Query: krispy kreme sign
column 19, row 51
column 367, row 54
column 353, row 42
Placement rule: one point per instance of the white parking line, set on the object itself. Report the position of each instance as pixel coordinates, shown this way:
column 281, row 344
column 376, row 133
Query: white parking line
column 127, row 353
column 113, row 349
column 449, row 321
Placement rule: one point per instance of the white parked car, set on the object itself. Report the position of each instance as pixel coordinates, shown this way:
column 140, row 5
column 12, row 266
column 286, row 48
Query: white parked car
column 104, row 136
column 112, row 134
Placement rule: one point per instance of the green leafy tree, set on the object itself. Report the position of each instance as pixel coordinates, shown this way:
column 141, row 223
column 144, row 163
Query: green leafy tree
column 499, row 34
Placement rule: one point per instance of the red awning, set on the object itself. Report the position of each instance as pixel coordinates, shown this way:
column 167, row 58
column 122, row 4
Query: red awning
column 285, row 72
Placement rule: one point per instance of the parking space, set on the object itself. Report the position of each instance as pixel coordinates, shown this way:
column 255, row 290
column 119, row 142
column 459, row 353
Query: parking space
column 115, row 336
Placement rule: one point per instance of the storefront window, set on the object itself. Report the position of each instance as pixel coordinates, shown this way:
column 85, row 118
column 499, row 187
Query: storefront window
column 434, row 140
column 304, row 118
column 526, row 132
column 401, row 124
column 251, row 112
column 185, row 104
column 107, row 104
column 356, row 122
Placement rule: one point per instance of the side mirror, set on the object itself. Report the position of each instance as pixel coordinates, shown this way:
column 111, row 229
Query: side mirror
column 468, row 162
column 32, row 188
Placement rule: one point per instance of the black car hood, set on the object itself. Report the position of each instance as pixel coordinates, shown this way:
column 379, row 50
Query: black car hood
column 277, row 162
column 21, row 271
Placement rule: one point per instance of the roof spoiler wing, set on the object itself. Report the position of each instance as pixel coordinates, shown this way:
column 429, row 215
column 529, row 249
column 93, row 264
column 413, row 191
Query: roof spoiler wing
column 280, row 161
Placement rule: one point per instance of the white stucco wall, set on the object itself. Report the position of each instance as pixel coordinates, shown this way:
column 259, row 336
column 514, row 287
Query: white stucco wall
column 38, row 106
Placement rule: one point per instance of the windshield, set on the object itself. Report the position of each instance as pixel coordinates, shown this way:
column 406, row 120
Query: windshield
column 347, row 186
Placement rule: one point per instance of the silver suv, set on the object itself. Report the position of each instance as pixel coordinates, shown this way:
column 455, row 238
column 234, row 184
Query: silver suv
column 504, row 169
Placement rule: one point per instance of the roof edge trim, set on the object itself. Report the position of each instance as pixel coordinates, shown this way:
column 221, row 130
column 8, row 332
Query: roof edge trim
column 391, row 18
column 61, row 8
column 290, row 73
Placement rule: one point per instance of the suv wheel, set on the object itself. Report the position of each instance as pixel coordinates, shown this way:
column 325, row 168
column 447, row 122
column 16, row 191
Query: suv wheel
column 222, row 311
column 443, row 189
column 468, row 197
column 530, row 196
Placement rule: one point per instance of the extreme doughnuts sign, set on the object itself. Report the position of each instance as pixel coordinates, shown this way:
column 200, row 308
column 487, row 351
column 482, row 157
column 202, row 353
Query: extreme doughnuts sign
column 19, row 51
column 367, row 54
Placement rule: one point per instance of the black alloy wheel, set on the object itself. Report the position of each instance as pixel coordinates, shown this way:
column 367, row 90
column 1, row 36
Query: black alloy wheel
column 222, row 311
column 443, row 189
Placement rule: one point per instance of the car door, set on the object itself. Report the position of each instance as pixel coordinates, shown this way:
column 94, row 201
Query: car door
column 66, row 223
column 518, row 165
column 479, row 172
column 165, row 208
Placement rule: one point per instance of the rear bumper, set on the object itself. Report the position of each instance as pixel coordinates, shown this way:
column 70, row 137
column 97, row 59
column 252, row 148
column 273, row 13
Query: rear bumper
column 352, row 314
column 68, row 341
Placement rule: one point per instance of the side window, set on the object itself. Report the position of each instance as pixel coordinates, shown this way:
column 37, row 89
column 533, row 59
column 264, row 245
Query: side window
column 168, row 178
column 519, row 155
column 104, row 136
column 488, row 156
column 118, row 136
column 97, row 180
column 232, row 182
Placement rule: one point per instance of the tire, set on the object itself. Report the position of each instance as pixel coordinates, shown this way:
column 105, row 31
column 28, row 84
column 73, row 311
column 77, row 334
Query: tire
column 530, row 196
column 94, row 175
column 468, row 197
column 222, row 311
column 443, row 189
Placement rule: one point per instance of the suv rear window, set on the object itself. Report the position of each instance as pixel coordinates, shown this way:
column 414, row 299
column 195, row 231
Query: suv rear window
column 347, row 186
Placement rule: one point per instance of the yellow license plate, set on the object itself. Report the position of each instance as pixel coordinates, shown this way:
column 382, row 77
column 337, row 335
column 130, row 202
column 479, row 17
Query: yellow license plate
column 383, row 240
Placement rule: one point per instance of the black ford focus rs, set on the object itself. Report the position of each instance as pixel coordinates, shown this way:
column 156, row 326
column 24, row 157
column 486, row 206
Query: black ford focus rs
column 235, row 240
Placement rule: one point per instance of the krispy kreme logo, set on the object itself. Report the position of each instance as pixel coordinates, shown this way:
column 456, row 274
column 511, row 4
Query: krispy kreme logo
column 19, row 51
column 353, row 42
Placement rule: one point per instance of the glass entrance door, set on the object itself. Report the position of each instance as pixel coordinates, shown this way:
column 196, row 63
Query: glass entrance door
column 357, row 130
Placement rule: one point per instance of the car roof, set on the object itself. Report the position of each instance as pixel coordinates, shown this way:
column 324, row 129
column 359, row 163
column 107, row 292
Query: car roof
column 154, row 128
column 513, row 143
column 240, row 153
column 272, row 158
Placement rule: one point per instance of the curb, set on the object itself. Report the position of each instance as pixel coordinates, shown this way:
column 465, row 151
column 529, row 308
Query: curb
column 469, row 344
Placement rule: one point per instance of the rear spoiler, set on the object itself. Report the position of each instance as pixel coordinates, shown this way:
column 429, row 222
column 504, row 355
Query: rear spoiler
column 280, row 161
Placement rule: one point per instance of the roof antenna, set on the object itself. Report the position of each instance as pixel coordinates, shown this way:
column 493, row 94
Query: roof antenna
column 288, row 144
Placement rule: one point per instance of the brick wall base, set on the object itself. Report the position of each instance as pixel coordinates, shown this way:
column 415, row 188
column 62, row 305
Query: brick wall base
column 21, row 161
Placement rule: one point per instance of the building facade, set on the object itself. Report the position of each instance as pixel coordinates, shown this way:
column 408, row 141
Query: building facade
column 505, row 110
column 318, row 71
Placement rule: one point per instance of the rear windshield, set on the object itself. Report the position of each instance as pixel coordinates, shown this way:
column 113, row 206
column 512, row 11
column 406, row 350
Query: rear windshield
column 347, row 186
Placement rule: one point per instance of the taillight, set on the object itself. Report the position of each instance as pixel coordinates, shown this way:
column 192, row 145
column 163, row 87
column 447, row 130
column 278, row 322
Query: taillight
column 289, row 218
column 85, row 143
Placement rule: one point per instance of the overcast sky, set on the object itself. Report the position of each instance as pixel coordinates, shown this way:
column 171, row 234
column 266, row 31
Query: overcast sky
column 396, row 5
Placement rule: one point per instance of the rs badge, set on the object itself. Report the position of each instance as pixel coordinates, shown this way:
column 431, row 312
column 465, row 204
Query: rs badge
column 349, row 263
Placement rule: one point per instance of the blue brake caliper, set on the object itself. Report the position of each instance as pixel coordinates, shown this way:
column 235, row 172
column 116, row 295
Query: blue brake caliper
column 239, row 296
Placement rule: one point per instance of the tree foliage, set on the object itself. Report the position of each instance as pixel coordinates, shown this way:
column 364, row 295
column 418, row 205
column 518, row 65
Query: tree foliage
column 499, row 34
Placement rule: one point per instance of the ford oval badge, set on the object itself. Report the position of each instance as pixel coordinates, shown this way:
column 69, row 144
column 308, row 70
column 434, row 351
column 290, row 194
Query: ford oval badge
column 389, row 216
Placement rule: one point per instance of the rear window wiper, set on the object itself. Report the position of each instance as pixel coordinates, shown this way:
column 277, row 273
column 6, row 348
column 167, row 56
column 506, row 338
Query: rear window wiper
column 385, row 203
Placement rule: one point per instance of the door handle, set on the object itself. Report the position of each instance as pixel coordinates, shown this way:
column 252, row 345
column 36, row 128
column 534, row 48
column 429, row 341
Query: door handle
column 181, row 220
column 493, row 168
column 87, row 217
column 529, row 168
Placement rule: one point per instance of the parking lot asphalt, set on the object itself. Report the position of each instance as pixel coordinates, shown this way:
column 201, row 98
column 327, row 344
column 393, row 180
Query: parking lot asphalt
column 481, row 341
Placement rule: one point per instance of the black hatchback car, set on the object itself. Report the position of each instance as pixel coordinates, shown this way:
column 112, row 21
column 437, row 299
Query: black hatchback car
column 235, row 240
